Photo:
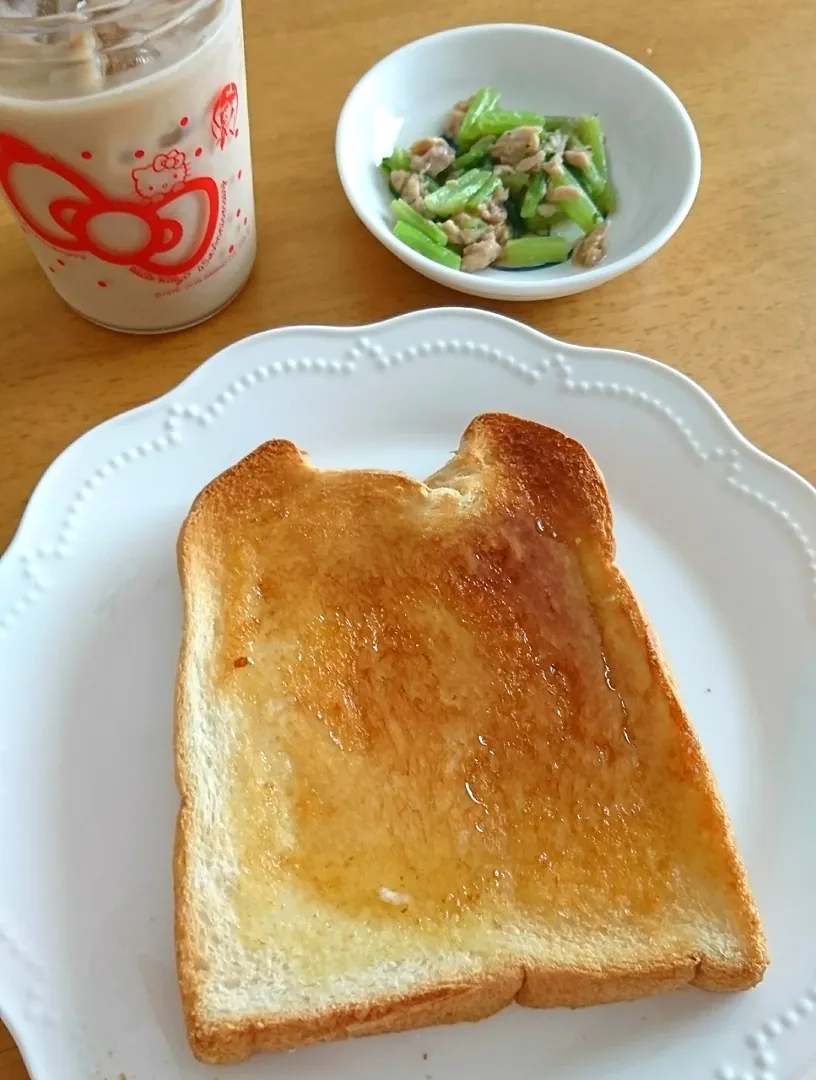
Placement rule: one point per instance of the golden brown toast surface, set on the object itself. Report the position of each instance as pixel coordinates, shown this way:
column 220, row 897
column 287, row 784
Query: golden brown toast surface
column 452, row 713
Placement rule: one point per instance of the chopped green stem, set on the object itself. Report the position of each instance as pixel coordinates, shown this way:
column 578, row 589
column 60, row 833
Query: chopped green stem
column 591, row 177
column 467, row 221
column 452, row 198
column 540, row 223
column 475, row 154
column 412, row 217
column 516, row 182
column 470, row 224
column 501, row 120
column 534, row 250
column 570, row 232
column 482, row 101
column 582, row 210
column 483, row 194
column 400, row 158
column 559, row 123
column 608, row 199
column 534, row 194
column 514, row 218
column 420, row 243
column 589, row 131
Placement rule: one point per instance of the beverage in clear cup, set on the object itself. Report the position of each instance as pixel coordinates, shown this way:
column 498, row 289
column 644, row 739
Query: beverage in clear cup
column 125, row 154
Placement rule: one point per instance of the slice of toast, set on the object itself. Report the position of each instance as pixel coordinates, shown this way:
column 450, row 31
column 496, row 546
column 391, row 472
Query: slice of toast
column 430, row 758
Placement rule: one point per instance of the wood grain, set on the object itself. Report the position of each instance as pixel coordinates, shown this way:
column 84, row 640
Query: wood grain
column 730, row 300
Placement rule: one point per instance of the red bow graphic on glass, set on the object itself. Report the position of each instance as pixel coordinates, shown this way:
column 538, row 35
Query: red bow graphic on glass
column 74, row 215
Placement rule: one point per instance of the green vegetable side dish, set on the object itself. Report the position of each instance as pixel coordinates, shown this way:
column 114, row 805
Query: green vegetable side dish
column 509, row 188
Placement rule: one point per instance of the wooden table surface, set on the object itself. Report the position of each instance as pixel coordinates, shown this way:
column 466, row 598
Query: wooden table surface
column 731, row 300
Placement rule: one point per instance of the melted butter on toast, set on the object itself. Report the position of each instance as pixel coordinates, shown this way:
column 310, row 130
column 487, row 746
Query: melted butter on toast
column 432, row 731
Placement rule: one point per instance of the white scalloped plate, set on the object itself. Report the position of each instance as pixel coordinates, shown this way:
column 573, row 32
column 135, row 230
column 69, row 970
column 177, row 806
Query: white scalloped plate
column 717, row 538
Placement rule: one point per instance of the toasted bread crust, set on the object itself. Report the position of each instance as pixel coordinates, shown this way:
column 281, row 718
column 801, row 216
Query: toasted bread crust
column 537, row 471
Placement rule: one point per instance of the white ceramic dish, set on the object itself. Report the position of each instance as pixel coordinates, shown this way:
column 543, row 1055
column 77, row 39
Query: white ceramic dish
column 716, row 538
column 654, row 152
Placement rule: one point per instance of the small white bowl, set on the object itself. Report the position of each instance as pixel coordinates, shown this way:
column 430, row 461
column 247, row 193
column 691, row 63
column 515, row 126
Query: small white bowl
column 653, row 148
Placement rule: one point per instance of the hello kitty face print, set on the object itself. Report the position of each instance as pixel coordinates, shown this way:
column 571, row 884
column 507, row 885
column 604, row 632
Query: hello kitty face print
column 166, row 173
